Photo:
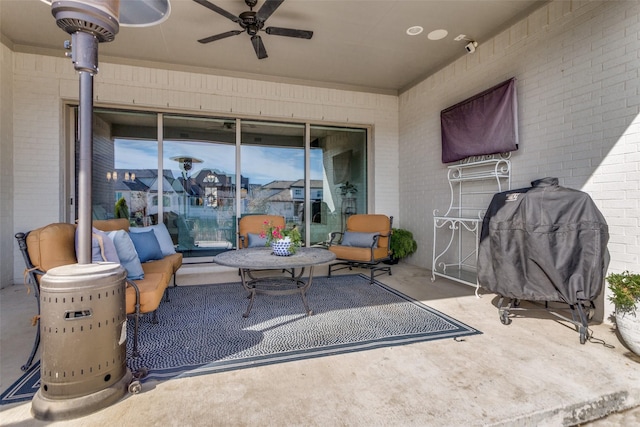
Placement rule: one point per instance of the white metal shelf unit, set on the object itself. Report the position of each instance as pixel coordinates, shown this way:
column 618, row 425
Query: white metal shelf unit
column 472, row 183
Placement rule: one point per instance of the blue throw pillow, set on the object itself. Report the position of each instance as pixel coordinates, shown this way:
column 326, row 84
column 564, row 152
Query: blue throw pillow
column 358, row 240
column 162, row 234
column 127, row 254
column 146, row 245
column 255, row 241
column 102, row 248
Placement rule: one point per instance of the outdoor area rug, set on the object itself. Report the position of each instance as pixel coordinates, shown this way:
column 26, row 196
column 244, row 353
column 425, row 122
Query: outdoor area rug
column 202, row 331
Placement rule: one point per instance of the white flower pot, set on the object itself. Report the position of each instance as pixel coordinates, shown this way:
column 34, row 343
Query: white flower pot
column 281, row 247
column 629, row 328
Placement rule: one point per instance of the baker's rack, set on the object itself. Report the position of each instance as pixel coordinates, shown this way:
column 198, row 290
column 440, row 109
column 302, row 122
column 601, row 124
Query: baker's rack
column 472, row 183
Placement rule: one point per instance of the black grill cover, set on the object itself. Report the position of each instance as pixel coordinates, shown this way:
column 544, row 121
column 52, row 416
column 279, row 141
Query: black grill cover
column 543, row 243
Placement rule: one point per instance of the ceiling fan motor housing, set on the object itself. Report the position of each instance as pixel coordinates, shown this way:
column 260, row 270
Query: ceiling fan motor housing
column 250, row 23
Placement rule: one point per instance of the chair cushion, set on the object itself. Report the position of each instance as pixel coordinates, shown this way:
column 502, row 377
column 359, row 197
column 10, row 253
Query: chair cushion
column 111, row 224
column 358, row 239
column 162, row 234
column 52, row 246
column 256, row 241
column 151, row 291
column 350, row 253
column 127, row 254
column 255, row 224
column 146, row 245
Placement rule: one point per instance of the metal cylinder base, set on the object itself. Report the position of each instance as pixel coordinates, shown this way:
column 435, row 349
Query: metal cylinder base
column 43, row 408
column 83, row 332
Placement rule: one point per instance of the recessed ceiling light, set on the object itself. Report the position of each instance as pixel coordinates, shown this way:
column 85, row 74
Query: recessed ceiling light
column 437, row 34
column 415, row 30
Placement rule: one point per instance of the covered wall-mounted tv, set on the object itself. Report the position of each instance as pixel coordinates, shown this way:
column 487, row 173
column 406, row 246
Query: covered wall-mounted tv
column 486, row 123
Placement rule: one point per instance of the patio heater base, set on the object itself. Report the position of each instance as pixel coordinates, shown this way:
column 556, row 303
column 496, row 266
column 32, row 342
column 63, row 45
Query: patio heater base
column 83, row 326
column 47, row 409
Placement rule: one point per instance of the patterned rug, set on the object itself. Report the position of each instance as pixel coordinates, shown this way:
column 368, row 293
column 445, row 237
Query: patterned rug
column 202, row 331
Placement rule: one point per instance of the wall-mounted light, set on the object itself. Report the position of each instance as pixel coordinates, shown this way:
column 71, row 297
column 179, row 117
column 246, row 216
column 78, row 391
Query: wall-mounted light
column 128, row 176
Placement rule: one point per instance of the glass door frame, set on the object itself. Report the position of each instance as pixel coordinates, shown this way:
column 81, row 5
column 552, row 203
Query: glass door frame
column 68, row 210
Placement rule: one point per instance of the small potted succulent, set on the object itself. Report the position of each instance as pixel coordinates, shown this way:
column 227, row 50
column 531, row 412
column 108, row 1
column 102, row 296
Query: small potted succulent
column 625, row 295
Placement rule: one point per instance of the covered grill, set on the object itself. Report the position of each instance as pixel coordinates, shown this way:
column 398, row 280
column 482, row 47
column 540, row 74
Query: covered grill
column 544, row 243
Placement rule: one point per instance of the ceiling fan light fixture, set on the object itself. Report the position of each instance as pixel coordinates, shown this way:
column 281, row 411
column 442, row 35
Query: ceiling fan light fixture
column 415, row 30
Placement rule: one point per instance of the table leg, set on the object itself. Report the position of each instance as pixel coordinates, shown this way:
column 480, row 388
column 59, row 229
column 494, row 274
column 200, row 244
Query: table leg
column 303, row 292
column 252, row 291
column 250, row 285
column 251, row 298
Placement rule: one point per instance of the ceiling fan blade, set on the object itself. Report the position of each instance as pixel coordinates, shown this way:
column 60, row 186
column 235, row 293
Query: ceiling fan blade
column 289, row 32
column 218, row 9
column 268, row 7
column 220, row 36
column 258, row 46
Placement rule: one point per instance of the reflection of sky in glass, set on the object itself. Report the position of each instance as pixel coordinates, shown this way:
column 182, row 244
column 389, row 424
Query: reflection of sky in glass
column 260, row 164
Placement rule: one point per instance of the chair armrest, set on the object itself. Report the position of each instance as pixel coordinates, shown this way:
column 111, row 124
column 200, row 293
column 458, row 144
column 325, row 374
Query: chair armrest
column 333, row 235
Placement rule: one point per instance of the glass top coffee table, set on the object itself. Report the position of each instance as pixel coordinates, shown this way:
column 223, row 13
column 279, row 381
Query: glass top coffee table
column 263, row 259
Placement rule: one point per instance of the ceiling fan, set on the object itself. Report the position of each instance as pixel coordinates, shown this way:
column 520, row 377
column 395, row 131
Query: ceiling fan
column 253, row 22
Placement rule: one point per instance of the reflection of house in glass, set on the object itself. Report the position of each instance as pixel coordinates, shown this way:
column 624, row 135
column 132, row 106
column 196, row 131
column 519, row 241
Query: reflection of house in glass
column 199, row 208
column 285, row 198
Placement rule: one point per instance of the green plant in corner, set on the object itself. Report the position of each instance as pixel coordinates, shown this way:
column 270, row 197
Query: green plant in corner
column 625, row 291
column 402, row 243
column 121, row 209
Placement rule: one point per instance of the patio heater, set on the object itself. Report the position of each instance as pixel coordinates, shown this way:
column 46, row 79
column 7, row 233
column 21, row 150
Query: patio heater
column 82, row 306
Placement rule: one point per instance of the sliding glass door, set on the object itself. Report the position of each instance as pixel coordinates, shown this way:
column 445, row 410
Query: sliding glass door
column 272, row 165
column 198, row 155
column 198, row 175
column 341, row 155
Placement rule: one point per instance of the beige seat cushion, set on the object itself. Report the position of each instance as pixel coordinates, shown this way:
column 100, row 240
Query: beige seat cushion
column 111, row 224
column 52, row 246
column 151, row 292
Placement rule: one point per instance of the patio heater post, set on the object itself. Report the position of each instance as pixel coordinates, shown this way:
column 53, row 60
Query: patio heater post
column 83, row 354
column 89, row 22
column 85, row 45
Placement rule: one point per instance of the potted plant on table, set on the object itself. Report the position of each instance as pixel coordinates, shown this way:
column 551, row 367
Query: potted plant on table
column 402, row 244
column 283, row 241
column 625, row 295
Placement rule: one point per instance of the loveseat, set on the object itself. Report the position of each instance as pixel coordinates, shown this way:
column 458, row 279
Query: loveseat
column 54, row 245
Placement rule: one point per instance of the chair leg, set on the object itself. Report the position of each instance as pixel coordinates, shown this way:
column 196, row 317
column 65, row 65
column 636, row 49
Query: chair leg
column 34, row 349
column 136, row 315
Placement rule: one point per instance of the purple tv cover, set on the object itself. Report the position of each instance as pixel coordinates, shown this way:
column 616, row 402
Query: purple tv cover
column 486, row 123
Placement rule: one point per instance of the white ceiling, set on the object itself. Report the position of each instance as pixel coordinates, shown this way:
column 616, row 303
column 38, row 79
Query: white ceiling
column 357, row 44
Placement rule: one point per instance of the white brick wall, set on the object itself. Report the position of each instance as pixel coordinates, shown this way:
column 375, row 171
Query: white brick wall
column 42, row 83
column 7, row 242
column 577, row 69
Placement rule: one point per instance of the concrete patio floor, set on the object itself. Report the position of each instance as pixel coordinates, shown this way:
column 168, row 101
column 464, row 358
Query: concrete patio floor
column 533, row 372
